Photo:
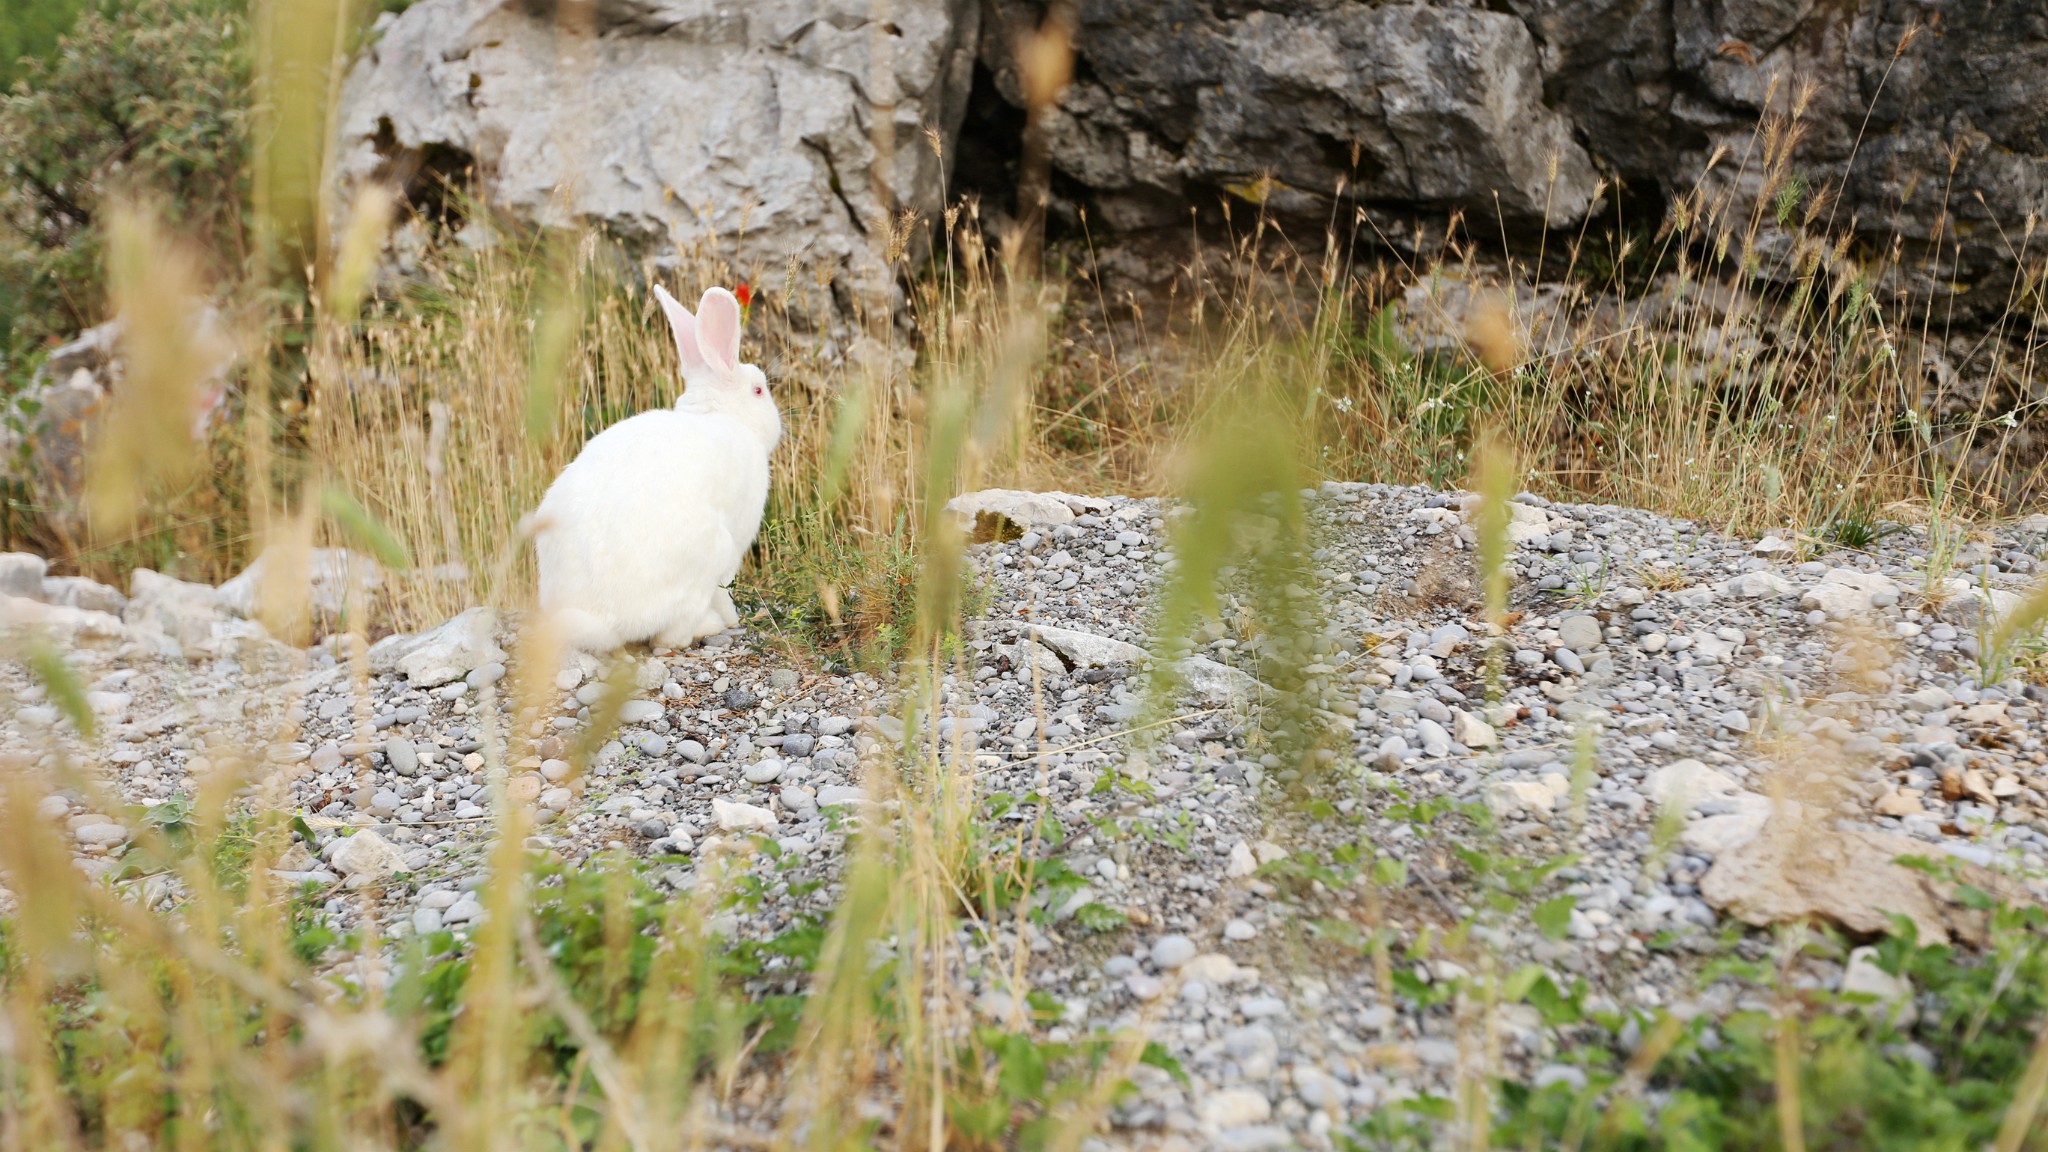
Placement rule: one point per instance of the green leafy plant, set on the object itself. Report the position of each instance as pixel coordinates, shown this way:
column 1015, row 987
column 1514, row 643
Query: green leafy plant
column 149, row 97
column 1867, row 1078
column 1022, row 1092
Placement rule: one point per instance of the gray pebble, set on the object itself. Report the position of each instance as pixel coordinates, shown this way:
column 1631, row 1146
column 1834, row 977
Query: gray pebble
column 402, row 756
column 1172, row 951
column 639, row 712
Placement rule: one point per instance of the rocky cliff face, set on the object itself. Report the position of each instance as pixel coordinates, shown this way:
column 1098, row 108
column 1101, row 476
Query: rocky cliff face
column 1515, row 106
column 790, row 128
column 1289, row 102
column 773, row 130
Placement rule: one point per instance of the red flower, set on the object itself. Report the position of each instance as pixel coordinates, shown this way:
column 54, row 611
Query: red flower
column 745, row 293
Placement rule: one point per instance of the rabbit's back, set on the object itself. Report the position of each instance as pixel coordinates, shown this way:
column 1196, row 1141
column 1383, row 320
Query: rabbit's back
column 649, row 521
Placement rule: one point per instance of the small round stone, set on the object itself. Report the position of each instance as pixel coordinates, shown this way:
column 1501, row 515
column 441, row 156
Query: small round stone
column 1169, row 952
column 1580, row 632
column 402, row 756
column 639, row 712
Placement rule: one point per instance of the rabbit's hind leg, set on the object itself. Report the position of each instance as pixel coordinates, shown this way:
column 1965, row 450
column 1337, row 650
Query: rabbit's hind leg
column 719, row 616
column 694, row 620
column 679, row 636
column 722, row 610
column 586, row 631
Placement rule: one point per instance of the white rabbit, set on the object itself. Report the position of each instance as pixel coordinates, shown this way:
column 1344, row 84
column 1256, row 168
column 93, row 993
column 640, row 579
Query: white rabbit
column 640, row 534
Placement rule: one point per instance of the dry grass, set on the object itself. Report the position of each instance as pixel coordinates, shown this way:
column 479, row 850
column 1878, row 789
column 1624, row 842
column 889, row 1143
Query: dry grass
column 1740, row 365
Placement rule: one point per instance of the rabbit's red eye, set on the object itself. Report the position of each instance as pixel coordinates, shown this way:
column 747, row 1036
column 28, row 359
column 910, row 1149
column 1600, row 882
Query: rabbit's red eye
column 757, row 389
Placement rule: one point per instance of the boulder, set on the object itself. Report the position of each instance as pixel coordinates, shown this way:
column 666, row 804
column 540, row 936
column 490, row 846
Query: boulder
column 1005, row 513
column 59, row 623
column 46, row 427
column 1217, row 685
column 79, row 592
column 1511, row 799
column 1685, row 783
column 732, row 816
column 1086, row 649
column 1282, row 103
column 317, row 579
column 175, row 617
column 444, row 653
column 1795, row 869
column 365, row 858
column 53, row 415
column 22, row 574
column 1757, row 586
column 1414, row 108
column 1843, row 591
column 778, row 129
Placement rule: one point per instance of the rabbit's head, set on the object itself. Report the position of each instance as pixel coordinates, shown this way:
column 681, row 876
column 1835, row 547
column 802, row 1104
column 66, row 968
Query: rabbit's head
column 708, row 344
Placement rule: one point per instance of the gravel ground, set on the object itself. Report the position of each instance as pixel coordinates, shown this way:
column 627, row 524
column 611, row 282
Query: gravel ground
column 1658, row 685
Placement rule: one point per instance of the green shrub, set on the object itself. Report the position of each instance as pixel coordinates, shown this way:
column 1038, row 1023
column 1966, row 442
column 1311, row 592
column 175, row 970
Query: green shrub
column 149, row 99
column 30, row 28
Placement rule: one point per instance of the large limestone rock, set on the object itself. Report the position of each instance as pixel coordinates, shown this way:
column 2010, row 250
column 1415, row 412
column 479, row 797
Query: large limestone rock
column 1086, row 649
column 775, row 130
column 46, row 428
column 1007, row 513
column 1656, row 87
column 449, row 651
column 177, row 618
column 60, row 624
column 1441, row 104
column 1793, row 870
column 1415, row 103
column 316, row 580
column 22, row 574
column 174, row 617
column 43, row 438
column 365, row 858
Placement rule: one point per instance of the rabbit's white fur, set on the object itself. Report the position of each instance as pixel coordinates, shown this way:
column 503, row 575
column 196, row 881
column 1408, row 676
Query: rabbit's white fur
column 640, row 534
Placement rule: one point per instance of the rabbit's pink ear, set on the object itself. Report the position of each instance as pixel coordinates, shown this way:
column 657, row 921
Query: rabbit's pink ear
column 718, row 329
column 683, row 326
